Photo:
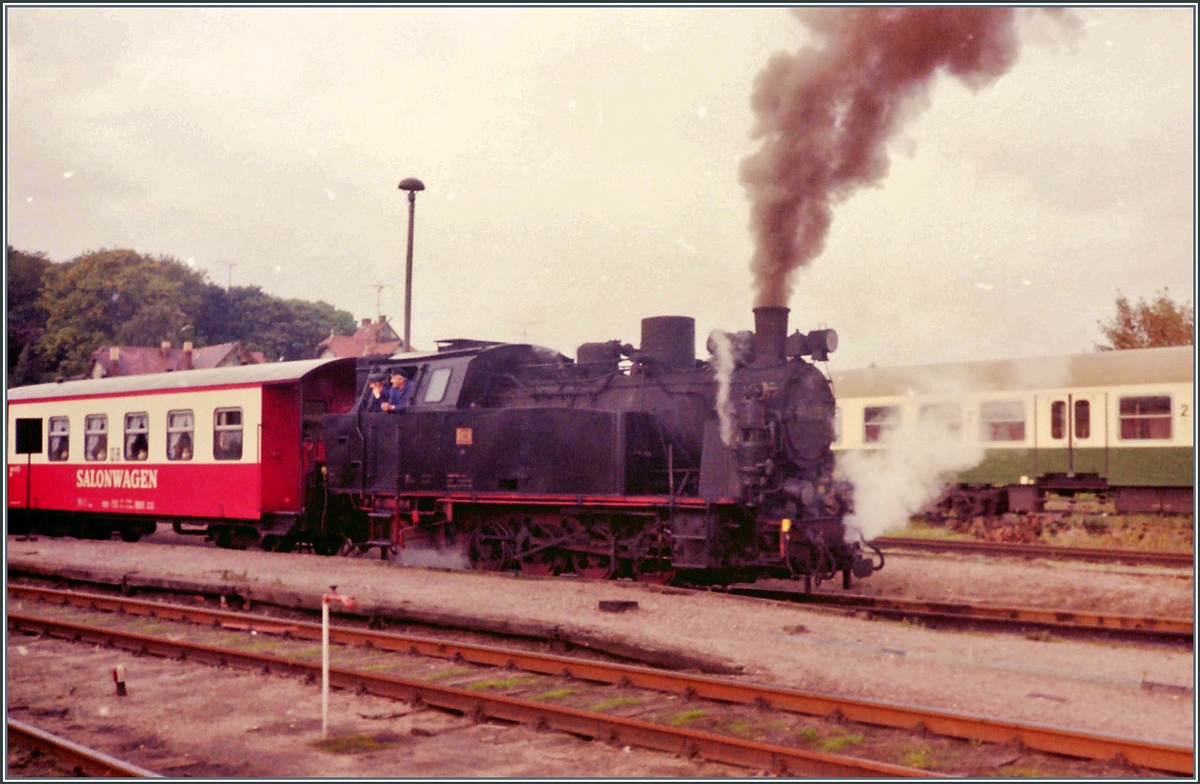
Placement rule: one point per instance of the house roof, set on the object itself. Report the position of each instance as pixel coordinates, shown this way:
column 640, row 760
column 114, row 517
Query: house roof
column 371, row 339
column 138, row 360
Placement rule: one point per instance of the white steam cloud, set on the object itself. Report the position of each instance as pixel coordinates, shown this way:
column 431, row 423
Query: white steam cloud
column 893, row 483
column 724, row 370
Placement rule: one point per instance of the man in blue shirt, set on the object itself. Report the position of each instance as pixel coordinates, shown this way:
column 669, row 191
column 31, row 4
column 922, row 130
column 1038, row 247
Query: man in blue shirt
column 398, row 395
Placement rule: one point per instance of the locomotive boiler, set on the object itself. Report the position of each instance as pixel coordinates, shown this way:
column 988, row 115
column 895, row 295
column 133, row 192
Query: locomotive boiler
column 642, row 461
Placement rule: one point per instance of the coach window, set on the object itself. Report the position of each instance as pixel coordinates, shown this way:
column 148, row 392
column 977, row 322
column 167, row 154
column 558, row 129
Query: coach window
column 95, row 434
column 438, row 381
column 1002, row 420
column 60, row 439
column 1058, row 419
column 227, row 434
column 1083, row 418
column 879, row 422
column 180, row 425
column 137, row 436
column 1145, row 417
column 945, row 418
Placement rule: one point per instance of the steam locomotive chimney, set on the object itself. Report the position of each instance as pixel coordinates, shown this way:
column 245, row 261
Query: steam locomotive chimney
column 770, row 334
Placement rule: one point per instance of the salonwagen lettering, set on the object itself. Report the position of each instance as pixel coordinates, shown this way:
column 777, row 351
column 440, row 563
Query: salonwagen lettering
column 137, row 478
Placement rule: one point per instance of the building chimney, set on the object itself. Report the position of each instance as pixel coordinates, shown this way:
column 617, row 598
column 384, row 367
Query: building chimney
column 770, row 335
column 366, row 322
column 383, row 319
column 114, row 361
column 166, row 346
column 187, row 356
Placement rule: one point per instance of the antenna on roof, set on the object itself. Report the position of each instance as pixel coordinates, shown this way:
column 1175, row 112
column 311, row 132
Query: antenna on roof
column 524, row 325
column 379, row 287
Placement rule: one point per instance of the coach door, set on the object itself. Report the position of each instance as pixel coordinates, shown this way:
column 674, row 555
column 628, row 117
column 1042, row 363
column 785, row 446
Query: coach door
column 1071, row 444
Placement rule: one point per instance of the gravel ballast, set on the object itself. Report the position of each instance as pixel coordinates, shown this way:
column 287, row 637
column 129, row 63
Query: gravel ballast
column 1123, row 689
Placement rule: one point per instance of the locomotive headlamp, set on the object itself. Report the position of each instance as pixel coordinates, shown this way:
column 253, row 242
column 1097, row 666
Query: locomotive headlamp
column 824, row 341
column 818, row 344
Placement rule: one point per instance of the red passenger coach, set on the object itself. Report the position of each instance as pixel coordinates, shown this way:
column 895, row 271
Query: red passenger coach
column 236, row 450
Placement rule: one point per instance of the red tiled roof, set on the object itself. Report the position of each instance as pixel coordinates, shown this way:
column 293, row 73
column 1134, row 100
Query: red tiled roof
column 373, row 339
column 138, row 360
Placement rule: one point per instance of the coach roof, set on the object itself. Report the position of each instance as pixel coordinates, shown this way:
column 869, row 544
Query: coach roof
column 1095, row 369
column 243, row 375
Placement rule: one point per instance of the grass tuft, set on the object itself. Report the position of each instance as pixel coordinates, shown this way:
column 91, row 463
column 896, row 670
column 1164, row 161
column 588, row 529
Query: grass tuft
column 616, row 702
column 687, row 717
column 354, row 744
column 841, row 741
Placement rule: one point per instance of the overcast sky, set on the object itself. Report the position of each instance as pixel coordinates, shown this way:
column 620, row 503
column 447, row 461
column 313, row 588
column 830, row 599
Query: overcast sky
column 581, row 167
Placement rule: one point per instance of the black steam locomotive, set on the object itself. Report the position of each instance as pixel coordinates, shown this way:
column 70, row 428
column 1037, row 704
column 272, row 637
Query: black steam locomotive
column 615, row 464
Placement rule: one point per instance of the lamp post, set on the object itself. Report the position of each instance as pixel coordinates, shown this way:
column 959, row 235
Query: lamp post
column 412, row 185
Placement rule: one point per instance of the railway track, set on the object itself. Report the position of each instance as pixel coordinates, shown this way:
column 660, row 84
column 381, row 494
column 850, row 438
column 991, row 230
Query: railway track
column 1061, row 621
column 1009, row 549
column 1160, row 757
column 481, row 706
column 80, row 760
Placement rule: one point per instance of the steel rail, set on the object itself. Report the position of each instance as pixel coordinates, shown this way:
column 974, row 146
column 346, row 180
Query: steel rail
column 611, row 729
column 1155, row 627
column 1158, row 756
column 1092, row 554
column 83, row 761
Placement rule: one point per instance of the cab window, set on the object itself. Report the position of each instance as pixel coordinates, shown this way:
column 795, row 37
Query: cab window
column 438, row 381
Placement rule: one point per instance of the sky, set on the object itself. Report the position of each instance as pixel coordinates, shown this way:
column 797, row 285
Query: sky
column 582, row 170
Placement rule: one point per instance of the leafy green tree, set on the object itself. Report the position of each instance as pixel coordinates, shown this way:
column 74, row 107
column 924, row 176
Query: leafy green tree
column 115, row 296
column 281, row 329
column 59, row 314
column 311, row 323
column 26, row 275
column 1162, row 322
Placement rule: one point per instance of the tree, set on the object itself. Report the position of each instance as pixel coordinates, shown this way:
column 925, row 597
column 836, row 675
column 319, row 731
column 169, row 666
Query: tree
column 280, row 329
column 26, row 275
column 1162, row 322
column 114, row 296
column 59, row 314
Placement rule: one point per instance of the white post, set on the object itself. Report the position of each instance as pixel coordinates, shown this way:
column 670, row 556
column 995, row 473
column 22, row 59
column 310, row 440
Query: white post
column 324, row 669
column 349, row 603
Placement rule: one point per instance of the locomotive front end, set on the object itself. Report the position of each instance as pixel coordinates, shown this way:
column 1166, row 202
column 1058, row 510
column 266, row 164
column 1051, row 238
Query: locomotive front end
column 784, row 415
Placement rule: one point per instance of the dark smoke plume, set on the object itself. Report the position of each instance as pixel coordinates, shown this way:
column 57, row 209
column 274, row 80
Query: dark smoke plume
column 826, row 114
